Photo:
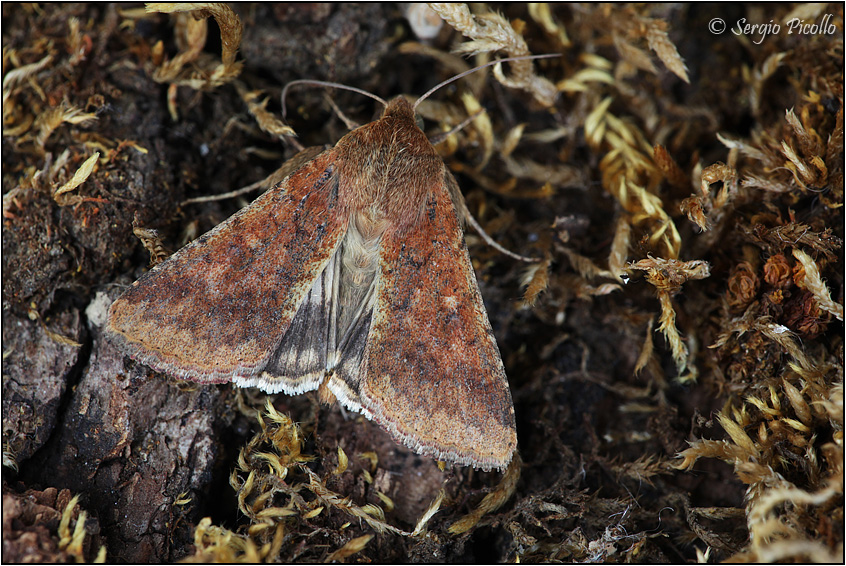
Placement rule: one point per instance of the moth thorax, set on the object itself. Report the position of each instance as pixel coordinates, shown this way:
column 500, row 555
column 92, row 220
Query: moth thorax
column 361, row 247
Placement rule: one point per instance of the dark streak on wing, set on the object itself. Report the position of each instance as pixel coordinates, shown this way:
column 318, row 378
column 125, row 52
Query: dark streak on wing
column 299, row 361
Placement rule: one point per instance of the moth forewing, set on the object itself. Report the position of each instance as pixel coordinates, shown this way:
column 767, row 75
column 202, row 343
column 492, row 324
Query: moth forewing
column 219, row 307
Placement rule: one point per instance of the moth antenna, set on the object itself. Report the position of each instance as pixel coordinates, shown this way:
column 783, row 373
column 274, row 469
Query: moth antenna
column 326, row 84
column 479, row 68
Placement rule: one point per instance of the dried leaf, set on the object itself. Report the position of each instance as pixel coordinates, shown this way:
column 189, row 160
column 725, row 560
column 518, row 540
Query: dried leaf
column 343, row 462
column 540, row 12
column 669, row 168
column 193, row 37
column 620, row 248
column 352, row 547
column 813, row 282
column 482, row 125
column 266, row 121
column 660, row 43
column 492, row 501
column 535, row 280
column 646, row 350
column 670, row 274
column 78, row 178
column 433, row 508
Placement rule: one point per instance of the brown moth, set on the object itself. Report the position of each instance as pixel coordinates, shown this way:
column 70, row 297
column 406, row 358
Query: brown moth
column 351, row 276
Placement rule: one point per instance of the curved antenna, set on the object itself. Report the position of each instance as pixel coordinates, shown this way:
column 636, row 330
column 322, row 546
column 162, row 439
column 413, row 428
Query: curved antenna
column 327, row 84
column 480, row 67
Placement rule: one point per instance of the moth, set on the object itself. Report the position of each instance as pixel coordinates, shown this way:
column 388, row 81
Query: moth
column 350, row 276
